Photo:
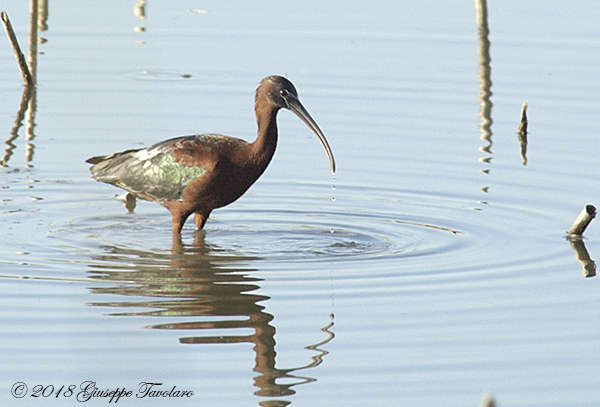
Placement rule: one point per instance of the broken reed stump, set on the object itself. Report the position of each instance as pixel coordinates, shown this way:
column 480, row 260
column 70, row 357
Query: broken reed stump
column 583, row 220
column 523, row 133
column 523, row 124
column 12, row 38
column 488, row 401
column 575, row 238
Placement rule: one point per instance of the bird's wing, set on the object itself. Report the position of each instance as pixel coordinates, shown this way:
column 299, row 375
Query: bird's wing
column 161, row 172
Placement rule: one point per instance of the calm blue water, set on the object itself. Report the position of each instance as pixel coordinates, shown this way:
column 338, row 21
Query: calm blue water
column 431, row 269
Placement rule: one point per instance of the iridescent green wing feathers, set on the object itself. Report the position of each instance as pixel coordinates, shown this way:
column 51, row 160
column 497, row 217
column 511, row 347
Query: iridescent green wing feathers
column 150, row 173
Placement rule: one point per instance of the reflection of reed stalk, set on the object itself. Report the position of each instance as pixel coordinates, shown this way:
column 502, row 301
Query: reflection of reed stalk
column 14, row 132
column 485, row 74
column 27, row 77
column 485, row 84
column 32, row 59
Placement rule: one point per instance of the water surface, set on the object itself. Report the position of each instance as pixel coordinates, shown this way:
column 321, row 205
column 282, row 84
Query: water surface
column 431, row 269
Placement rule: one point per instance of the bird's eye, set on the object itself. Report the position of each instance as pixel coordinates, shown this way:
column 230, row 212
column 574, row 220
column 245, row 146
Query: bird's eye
column 285, row 95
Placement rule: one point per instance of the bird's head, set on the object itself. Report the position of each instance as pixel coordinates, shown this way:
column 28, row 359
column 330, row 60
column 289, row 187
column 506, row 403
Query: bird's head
column 282, row 94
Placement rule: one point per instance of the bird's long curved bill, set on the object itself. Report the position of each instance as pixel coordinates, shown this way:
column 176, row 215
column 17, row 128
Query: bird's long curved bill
column 296, row 107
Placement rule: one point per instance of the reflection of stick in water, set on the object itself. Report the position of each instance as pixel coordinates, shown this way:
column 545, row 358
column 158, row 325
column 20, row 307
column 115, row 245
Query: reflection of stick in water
column 485, row 85
column 583, row 220
column 16, row 49
column 14, row 133
column 583, row 257
column 485, row 75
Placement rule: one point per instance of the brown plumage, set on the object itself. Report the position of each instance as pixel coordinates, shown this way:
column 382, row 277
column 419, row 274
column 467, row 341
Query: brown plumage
column 196, row 174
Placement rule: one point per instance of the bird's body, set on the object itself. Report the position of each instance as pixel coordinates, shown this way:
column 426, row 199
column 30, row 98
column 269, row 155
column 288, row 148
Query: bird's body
column 196, row 174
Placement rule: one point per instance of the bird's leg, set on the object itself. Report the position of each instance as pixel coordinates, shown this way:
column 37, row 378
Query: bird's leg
column 178, row 221
column 200, row 219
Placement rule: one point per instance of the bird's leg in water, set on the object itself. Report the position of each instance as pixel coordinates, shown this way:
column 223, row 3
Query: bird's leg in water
column 200, row 219
column 179, row 219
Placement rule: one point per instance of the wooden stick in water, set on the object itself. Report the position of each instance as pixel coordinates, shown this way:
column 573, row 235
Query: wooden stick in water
column 16, row 49
column 523, row 133
column 488, row 401
column 523, row 124
column 583, row 220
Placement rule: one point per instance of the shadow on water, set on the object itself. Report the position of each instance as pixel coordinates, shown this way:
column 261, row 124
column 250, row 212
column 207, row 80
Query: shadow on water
column 193, row 281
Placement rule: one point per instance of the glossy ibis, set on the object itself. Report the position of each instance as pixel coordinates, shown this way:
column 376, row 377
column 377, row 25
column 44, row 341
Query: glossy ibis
column 196, row 174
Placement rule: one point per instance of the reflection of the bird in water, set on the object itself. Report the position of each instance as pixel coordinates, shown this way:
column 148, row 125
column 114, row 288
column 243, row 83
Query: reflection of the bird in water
column 194, row 281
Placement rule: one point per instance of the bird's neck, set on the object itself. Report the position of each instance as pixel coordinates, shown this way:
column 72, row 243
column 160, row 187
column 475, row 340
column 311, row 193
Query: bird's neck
column 263, row 147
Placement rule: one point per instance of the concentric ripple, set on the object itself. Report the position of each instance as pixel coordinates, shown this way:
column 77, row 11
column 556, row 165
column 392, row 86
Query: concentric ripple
column 297, row 235
column 389, row 228
column 297, row 226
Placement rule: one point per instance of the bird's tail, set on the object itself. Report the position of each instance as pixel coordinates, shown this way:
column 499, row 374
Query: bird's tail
column 112, row 168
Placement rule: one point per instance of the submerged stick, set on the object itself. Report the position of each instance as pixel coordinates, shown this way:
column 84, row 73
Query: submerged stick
column 583, row 220
column 16, row 49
